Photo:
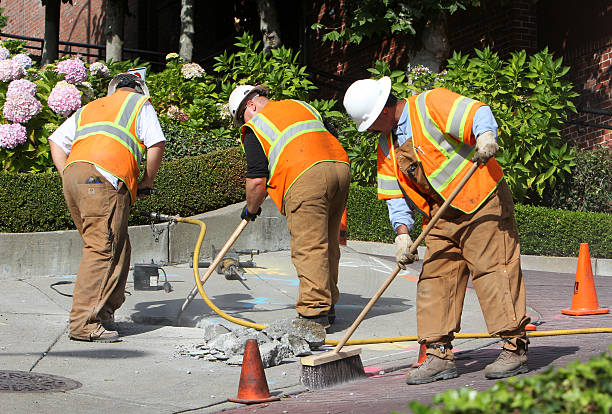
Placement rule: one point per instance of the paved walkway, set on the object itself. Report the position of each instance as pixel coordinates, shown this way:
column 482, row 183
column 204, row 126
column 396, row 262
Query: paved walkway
column 146, row 373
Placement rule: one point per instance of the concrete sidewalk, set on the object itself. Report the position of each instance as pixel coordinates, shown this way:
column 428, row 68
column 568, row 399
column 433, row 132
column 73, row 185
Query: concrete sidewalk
column 147, row 373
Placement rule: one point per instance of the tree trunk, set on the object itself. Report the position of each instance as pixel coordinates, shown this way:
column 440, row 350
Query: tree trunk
column 434, row 45
column 268, row 24
column 187, row 31
column 51, row 41
column 115, row 12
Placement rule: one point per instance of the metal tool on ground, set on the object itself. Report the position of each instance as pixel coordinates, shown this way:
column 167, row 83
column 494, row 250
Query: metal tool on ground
column 231, row 266
column 338, row 366
column 213, row 265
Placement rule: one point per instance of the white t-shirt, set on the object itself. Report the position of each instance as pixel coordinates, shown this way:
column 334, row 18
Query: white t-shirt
column 148, row 131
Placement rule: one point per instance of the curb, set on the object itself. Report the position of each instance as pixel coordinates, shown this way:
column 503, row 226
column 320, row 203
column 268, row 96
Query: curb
column 27, row 255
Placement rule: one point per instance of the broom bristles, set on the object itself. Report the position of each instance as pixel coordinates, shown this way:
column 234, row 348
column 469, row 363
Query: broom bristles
column 332, row 373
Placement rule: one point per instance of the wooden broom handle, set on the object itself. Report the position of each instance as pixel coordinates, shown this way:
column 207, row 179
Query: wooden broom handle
column 413, row 248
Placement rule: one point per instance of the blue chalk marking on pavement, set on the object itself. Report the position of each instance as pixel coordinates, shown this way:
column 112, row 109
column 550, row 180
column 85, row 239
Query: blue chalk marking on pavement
column 259, row 301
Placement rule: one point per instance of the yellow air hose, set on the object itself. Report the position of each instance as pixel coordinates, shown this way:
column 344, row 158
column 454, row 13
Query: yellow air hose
column 196, row 274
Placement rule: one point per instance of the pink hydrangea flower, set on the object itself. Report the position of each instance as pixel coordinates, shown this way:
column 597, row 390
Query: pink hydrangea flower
column 24, row 60
column 74, row 69
column 20, row 86
column 10, row 69
column 12, row 135
column 21, row 108
column 4, row 53
column 64, row 99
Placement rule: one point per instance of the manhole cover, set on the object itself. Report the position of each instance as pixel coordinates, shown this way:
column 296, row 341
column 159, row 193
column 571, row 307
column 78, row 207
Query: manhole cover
column 21, row 381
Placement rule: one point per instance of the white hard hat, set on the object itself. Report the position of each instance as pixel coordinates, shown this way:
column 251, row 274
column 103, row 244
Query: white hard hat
column 127, row 79
column 239, row 97
column 365, row 99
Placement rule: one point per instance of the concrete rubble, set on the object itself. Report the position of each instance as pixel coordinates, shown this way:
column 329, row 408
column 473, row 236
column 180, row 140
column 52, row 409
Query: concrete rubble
column 282, row 339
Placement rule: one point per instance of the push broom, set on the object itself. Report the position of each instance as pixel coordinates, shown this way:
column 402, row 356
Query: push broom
column 344, row 364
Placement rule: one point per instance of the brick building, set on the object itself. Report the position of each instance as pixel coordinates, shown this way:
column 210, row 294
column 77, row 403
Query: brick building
column 581, row 34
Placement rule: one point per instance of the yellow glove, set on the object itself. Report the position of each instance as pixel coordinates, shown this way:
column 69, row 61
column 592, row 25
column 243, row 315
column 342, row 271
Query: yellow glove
column 402, row 252
column 486, row 147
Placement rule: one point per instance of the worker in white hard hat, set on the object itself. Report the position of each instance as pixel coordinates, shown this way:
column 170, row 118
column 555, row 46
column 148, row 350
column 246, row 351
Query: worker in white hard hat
column 427, row 143
column 96, row 152
column 293, row 157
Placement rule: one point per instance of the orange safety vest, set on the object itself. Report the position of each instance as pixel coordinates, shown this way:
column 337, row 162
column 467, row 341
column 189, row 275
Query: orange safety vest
column 294, row 139
column 443, row 142
column 106, row 136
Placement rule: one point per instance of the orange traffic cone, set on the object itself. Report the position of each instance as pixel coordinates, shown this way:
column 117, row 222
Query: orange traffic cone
column 584, row 301
column 422, row 356
column 253, row 387
column 343, row 227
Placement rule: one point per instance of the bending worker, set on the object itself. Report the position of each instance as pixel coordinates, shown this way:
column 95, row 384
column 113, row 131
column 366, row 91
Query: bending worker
column 97, row 151
column 293, row 157
column 427, row 143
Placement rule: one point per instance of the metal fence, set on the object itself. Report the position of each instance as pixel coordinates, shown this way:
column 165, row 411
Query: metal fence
column 156, row 59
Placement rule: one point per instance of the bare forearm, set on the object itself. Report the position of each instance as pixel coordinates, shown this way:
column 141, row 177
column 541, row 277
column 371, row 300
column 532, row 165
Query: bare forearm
column 59, row 157
column 255, row 193
column 154, row 159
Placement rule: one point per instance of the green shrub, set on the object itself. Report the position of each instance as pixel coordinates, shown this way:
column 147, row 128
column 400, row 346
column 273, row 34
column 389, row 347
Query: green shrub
column 193, row 185
column 589, row 186
column 550, row 232
column 183, row 141
column 542, row 231
column 579, row 388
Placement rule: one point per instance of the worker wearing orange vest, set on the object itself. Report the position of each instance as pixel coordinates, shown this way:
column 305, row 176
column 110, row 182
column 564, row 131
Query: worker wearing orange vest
column 427, row 144
column 97, row 151
column 292, row 156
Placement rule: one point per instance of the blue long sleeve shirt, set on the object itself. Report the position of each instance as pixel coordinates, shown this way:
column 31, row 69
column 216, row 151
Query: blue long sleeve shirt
column 399, row 210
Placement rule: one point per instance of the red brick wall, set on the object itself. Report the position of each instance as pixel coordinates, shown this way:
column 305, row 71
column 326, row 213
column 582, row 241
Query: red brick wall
column 81, row 22
column 503, row 28
column 591, row 72
column 583, row 37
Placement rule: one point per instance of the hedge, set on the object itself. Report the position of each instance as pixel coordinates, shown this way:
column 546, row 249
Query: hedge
column 579, row 388
column 542, row 231
column 193, row 185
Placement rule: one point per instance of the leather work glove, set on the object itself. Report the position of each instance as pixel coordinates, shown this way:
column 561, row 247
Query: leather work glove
column 247, row 215
column 402, row 252
column 486, row 147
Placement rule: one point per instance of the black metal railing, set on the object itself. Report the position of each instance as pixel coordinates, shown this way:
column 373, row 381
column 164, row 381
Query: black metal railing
column 590, row 124
column 66, row 48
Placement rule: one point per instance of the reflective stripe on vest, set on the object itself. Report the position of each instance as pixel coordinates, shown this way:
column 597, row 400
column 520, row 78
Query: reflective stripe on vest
column 119, row 130
column 387, row 184
column 456, row 152
column 279, row 139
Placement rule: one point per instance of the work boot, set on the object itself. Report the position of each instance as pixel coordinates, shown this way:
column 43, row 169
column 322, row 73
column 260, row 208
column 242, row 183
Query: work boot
column 322, row 320
column 438, row 365
column 511, row 361
column 99, row 335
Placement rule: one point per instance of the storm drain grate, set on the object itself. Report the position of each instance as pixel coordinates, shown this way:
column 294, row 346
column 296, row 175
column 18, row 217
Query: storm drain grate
column 21, row 381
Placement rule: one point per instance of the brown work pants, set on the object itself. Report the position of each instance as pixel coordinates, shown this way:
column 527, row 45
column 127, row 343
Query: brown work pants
column 100, row 213
column 314, row 205
column 485, row 244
